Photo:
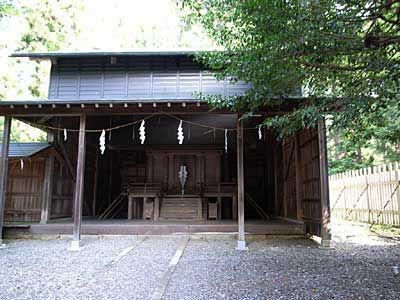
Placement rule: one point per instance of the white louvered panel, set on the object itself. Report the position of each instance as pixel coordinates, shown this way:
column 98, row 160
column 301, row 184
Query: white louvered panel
column 139, row 84
column 114, row 85
column 164, row 84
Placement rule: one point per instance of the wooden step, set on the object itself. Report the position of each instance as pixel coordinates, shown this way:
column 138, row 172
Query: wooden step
column 178, row 207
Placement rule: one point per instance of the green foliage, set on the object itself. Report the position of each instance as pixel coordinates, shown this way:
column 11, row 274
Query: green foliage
column 6, row 8
column 51, row 25
column 22, row 132
column 344, row 55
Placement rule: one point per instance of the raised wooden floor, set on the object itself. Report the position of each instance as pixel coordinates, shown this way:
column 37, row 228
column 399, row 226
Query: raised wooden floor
column 145, row 227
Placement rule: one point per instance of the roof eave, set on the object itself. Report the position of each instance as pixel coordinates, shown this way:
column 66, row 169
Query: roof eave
column 49, row 55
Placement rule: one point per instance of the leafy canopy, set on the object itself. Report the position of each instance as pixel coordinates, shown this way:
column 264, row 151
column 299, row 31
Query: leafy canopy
column 344, row 54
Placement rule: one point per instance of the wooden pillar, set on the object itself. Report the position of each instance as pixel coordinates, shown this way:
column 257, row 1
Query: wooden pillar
column 171, row 175
column 299, row 177
column 79, row 185
column 156, row 208
column 130, row 207
column 324, row 184
column 47, row 190
column 286, row 165
column 234, row 207
column 95, row 183
column 110, row 178
column 276, row 181
column 240, row 175
column 3, row 171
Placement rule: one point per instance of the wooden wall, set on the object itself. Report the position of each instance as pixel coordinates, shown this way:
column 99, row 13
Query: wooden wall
column 25, row 190
column 309, row 177
column 63, row 190
column 299, row 180
column 146, row 78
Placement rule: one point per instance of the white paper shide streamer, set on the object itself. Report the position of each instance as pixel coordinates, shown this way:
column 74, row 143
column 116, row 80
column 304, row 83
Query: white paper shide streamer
column 142, row 133
column 259, row 133
column 180, row 133
column 65, row 134
column 102, row 141
column 22, row 164
column 226, row 140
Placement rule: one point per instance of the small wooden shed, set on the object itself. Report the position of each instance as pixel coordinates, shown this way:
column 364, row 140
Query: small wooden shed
column 39, row 186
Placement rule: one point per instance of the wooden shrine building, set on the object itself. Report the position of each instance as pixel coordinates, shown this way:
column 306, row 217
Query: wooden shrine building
column 145, row 155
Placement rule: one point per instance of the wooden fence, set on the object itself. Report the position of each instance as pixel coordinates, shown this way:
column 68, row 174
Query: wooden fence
column 368, row 195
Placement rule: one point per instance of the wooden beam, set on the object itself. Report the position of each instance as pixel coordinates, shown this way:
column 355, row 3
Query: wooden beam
column 47, row 190
column 3, row 171
column 324, row 183
column 79, row 186
column 44, row 119
column 240, row 175
column 289, row 161
column 64, row 151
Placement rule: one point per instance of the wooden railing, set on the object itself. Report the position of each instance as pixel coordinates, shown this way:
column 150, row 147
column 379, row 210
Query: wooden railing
column 222, row 189
column 113, row 206
column 144, row 189
column 368, row 195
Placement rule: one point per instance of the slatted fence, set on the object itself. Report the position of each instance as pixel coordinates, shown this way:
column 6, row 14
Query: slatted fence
column 367, row 195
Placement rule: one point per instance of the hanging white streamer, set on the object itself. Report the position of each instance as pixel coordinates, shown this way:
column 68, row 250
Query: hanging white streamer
column 180, row 133
column 226, row 140
column 142, row 132
column 65, row 134
column 102, row 141
column 22, row 164
column 259, row 133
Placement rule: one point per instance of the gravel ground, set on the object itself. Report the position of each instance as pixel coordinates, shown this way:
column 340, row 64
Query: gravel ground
column 360, row 267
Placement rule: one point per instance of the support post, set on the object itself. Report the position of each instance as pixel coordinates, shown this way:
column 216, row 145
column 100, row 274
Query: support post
column 78, row 194
column 240, row 175
column 276, row 182
column 130, row 205
column 324, row 186
column 299, row 177
column 156, row 208
column 3, row 171
column 47, row 190
column 234, row 207
column 285, row 164
column 145, row 199
column 95, row 182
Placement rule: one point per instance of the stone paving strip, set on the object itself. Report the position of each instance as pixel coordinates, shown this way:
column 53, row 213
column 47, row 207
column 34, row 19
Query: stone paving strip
column 159, row 292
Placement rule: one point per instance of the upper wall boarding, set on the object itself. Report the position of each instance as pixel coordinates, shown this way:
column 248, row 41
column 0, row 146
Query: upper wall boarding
column 142, row 78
